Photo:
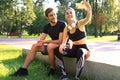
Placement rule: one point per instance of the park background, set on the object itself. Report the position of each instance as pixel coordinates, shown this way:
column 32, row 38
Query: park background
column 27, row 16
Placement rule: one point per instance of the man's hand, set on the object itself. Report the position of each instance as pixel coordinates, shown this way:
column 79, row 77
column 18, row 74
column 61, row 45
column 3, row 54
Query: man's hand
column 39, row 42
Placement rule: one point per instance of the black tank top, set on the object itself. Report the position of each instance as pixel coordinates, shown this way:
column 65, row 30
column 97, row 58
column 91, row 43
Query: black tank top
column 77, row 35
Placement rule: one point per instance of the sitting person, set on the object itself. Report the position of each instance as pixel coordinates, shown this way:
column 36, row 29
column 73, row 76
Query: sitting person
column 55, row 30
column 75, row 31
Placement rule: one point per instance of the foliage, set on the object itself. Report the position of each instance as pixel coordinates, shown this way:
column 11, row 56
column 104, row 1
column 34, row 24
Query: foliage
column 38, row 24
column 14, row 18
column 30, row 11
column 6, row 13
column 101, row 19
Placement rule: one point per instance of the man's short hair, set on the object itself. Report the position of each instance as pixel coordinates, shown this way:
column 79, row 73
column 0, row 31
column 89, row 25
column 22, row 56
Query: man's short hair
column 47, row 11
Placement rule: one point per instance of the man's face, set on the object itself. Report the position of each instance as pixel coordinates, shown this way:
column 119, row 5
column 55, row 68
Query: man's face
column 52, row 17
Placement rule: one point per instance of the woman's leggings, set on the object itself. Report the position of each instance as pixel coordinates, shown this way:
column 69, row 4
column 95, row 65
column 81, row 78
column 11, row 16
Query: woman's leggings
column 74, row 52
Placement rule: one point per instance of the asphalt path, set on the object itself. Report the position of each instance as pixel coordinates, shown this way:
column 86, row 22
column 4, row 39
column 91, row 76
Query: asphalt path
column 101, row 51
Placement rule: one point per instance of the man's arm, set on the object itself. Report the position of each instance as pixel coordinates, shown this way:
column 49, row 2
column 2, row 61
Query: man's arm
column 55, row 41
column 43, row 36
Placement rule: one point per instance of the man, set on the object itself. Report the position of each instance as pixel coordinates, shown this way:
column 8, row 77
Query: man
column 54, row 29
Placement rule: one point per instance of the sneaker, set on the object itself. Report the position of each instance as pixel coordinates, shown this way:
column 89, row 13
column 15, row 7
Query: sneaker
column 63, row 77
column 51, row 72
column 20, row 72
column 87, row 55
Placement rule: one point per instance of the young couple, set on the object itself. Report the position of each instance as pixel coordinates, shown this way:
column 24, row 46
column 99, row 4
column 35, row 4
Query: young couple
column 60, row 33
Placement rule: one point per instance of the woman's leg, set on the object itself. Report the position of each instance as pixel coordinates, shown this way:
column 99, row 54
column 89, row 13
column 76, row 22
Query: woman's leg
column 60, row 60
column 79, row 63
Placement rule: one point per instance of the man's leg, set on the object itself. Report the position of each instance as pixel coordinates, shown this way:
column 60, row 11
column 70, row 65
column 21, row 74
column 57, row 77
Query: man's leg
column 51, row 55
column 31, row 55
column 29, row 58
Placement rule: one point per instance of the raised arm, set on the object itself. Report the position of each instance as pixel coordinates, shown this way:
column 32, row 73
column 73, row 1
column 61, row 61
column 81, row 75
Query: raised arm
column 88, row 17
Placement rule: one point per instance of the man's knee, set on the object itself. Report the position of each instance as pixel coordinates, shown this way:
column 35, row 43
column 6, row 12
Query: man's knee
column 51, row 46
column 37, row 48
column 34, row 45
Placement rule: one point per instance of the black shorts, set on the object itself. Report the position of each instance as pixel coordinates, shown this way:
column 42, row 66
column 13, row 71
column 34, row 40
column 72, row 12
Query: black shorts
column 72, row 52
column 45, row 49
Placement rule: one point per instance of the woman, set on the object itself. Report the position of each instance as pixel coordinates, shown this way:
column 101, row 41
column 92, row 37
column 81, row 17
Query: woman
column 75, row 31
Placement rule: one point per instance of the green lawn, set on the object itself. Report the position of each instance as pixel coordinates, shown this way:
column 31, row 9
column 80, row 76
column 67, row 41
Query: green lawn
column 11, row 59
column 104, row 38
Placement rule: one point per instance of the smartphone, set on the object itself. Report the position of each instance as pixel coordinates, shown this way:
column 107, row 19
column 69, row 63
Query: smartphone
column 80, row 5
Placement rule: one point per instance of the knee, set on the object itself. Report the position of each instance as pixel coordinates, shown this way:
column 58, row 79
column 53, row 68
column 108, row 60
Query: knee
column 51, row 46
column 34, row 45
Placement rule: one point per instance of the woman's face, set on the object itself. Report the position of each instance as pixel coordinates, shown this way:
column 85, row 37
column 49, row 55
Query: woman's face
column 70, row 14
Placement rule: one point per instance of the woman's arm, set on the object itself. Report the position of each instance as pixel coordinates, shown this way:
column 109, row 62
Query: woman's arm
column 88, row 17
column 64, row 40
column 65, row 35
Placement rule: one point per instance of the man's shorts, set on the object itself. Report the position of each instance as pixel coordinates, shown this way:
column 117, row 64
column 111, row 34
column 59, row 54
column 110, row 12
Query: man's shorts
column 45, row 49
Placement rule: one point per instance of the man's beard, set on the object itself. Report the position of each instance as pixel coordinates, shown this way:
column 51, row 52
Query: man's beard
column 53, row 22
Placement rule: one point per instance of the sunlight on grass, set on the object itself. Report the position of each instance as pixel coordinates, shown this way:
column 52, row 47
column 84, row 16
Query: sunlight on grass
column 104, row 38
column 3, row 70
column 9, row 52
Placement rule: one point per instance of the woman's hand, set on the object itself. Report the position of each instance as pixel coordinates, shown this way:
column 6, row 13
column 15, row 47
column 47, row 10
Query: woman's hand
column 62, row 47
column 87, row 6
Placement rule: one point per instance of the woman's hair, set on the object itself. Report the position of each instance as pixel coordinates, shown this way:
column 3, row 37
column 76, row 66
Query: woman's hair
column 70, row 8
column 47, row 11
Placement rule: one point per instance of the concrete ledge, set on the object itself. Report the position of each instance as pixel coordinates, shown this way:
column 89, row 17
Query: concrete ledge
column 92, row 69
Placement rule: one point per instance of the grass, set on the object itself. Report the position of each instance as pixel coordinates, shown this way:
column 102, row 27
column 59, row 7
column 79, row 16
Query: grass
column 104, row 38
column 11, row 59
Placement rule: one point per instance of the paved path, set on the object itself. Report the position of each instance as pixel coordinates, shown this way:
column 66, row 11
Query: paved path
column 104, row 52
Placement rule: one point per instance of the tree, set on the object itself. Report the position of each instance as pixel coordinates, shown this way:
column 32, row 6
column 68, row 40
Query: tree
column 38, row 24
column 23, row 15
column 101, row 19
column 6, row 12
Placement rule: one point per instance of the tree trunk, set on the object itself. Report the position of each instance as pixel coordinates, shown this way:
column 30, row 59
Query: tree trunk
column 95, row 12
column 100, row 30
